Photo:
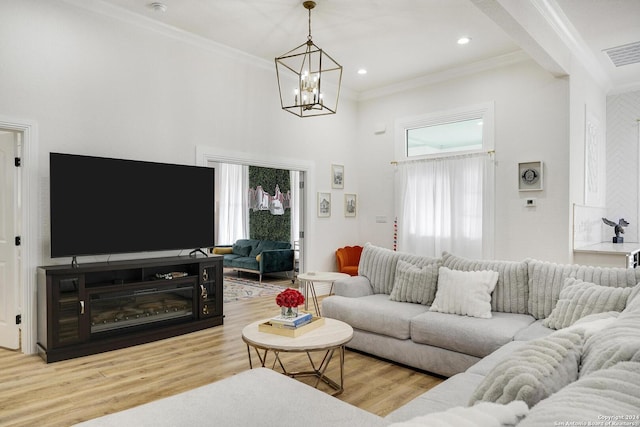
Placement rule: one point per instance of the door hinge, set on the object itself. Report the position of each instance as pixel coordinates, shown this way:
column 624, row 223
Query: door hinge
column 301, row 234
column 18, row 240
column 18, row 162
column 301, row 185
column 18, row 319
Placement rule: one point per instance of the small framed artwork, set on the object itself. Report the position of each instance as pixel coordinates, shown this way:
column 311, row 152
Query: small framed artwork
column 337, row 176
column 350, row 205
column 324, row 205
column 530, row 176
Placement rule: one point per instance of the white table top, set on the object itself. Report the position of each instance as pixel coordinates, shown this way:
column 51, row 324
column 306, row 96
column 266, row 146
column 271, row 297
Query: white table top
column 332, row 334
column 610, row 248
column 322, row 276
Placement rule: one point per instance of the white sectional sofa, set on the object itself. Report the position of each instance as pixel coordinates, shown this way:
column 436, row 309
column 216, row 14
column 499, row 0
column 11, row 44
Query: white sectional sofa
column 561, row 347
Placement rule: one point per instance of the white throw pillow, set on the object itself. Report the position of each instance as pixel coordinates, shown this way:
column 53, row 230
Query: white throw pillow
column 465, row 292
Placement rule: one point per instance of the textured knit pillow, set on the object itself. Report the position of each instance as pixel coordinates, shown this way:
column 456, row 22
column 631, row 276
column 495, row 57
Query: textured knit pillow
column 607, row 394
column 578, row 299
column 465, row 292
column 379, row 266
column 415, row 284
column 534, row 371
column 620, row 342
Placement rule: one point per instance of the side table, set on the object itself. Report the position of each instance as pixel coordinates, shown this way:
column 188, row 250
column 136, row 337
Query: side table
column 308, row 280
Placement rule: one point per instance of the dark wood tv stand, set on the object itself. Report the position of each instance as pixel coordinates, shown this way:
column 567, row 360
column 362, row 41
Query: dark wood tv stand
column 104, row 306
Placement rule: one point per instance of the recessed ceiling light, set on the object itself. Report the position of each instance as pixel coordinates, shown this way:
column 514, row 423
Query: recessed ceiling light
column 464, row 40
column 362, row 71
column 158, row 7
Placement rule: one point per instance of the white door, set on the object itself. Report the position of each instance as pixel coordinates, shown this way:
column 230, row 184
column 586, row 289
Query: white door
column 9, row 331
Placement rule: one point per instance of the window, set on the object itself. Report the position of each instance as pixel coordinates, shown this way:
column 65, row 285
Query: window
column 464, row 135
column 445, row 183
column 462, row 130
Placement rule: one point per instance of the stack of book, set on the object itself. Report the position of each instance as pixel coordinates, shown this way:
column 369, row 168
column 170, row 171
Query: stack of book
column 291, row 326
column 291, row 322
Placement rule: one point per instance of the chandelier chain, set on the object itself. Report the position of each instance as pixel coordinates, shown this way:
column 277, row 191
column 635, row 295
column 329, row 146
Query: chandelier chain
column 309, row 36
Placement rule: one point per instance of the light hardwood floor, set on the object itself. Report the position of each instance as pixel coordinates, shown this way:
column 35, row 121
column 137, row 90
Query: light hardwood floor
column 34, row 393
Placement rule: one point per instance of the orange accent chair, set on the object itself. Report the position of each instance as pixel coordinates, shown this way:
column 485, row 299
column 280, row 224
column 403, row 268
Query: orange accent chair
column 348, row 259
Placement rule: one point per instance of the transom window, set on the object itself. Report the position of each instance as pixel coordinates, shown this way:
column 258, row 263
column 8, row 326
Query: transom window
column 462, row 130
column 443, row 138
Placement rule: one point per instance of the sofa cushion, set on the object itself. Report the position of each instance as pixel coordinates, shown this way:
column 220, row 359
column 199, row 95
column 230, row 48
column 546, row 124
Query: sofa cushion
column 579, row 299
column 511, row 293
column 533, row 331
column 483, row 414
column 608, row 276
column 486, row 364
column 374, row 313
column 464, row 292
column 246, row 262
column 379, row 266
column 534, row 371
column 468, row 335
column 242, row 250
column 598, row 399
column 353, row 287
column 415, row 284
column 546, row 279
column 455, row 391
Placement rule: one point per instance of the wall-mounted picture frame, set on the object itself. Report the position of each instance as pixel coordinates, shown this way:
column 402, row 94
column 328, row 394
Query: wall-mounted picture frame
column 350, row 205
column 530, row 176
column 324, row 205
column 337, row 176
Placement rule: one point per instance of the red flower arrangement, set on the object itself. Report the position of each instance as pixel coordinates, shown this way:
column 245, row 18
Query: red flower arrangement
column 289, row 298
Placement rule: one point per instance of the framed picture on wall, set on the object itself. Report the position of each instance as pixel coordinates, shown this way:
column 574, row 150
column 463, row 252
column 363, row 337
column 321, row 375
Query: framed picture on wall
column 350, row 205
column 530, row 176
column 337, row 176
column 324, row 205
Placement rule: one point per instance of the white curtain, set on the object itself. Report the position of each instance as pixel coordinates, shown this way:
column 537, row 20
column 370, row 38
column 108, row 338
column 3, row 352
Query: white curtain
column 234, row 207
column 446, row 204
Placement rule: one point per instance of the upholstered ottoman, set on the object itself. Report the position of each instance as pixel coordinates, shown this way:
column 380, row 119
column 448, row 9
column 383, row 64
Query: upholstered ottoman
column 258, row 397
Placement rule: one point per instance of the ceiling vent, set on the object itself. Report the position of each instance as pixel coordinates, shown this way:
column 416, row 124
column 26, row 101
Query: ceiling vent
column 624, row 55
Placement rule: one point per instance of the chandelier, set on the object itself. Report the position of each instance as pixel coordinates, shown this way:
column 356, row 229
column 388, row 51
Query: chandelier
column 308, row 78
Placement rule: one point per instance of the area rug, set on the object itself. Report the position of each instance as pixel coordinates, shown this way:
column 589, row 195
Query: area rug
column 236, row 289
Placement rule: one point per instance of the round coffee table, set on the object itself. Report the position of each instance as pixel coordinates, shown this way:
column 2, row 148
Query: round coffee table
column 309, row 279
column 331, row 336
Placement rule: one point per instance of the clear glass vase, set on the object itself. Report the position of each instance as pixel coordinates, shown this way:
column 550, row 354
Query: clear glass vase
column 289, row 312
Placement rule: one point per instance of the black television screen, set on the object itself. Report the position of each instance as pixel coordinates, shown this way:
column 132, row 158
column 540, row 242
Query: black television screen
column 107, row 206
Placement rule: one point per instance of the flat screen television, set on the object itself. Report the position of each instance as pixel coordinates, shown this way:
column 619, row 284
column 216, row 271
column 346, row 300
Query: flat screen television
column 108, row 206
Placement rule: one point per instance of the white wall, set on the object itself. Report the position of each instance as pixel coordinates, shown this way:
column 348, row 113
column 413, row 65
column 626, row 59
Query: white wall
column 587, row 98
column 96, row 85
column 623, row 158
column 531, row 124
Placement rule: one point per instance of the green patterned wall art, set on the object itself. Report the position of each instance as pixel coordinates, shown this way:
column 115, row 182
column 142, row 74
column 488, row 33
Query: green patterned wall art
column 263, row 224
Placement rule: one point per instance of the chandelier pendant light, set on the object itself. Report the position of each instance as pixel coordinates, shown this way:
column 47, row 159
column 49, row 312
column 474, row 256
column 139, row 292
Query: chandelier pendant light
column 308, row 78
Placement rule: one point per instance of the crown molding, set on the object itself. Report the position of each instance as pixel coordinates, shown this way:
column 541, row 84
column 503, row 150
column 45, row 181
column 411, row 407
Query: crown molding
column 449, row 74
column 564, row 29
column 122, row 15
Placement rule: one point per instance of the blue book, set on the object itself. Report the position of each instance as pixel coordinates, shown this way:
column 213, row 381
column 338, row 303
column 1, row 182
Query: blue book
column 292, row 321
